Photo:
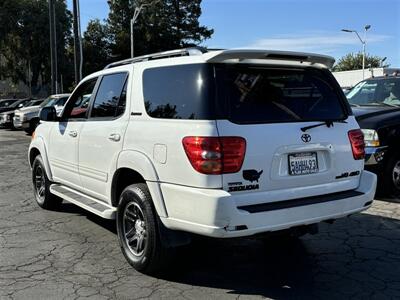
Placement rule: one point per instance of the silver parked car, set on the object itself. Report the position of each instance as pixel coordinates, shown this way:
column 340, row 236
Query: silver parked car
column 28, row 118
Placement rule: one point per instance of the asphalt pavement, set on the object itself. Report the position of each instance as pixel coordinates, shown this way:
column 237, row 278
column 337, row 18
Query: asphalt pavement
column 73, row 254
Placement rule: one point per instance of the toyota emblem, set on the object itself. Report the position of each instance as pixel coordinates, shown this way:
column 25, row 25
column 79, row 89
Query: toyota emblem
column 306, row 138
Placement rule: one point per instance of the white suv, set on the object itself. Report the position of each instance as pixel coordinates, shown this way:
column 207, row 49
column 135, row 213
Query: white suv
column 225, row 143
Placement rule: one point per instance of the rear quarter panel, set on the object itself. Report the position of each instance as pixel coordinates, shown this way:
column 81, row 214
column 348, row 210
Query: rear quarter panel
column 161, row 141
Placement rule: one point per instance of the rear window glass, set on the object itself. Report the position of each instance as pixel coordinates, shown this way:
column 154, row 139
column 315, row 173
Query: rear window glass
column 179, row 92
column 241, row 93
column 265, row 95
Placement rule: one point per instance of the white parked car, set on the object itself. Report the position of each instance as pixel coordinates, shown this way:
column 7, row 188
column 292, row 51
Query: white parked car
column 27, row 118
column 228, row 143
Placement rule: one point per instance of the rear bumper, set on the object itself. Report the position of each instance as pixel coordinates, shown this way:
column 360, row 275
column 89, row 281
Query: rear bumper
column 214, row 212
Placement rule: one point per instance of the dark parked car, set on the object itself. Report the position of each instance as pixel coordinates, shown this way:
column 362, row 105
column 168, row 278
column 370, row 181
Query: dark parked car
column 4, row 103
column 376, row 105
column 6, row 118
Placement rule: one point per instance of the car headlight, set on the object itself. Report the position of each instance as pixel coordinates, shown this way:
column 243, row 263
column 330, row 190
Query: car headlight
column 371, row 138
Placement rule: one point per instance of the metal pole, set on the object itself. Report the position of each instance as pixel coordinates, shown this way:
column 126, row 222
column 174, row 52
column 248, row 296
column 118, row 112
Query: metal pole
column 80, row 41
column 76, row 41
column 133, row 20
column 52, row 47
column 30, row 79
column 132, row 45
column 363, row 61
column 363, row 42
column 55, row 48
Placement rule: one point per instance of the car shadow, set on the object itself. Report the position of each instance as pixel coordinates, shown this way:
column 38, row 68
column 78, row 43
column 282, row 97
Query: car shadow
column 357, row 256
column 382, row 197
column 347, row 258
column 70, row 208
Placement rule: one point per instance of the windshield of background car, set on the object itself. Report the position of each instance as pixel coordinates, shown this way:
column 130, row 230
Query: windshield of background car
column 33, row 103
column 15, row 104
column 376, row 92
column 253, row 94
column 48, row 102
column 6, row 103
column 61, row 101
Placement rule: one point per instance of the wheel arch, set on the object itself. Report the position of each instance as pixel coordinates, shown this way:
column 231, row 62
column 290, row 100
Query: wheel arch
column 37, row 147
column 136, row 167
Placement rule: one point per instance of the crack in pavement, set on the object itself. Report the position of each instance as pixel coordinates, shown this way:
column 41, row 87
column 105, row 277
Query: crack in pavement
column 72, row 254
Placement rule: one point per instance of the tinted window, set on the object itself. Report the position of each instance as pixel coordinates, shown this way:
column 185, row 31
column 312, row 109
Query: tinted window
column 179, row 92
column 77, row 106
column 52, row 101
column 262, row 95
column 7, row 103
column 35, row 102
column 110, row 98
column 15, row 104
column 61, row 101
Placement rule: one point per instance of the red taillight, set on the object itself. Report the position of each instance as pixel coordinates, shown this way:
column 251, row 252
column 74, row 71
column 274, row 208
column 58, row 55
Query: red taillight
column 215, row 155
column 356, row 138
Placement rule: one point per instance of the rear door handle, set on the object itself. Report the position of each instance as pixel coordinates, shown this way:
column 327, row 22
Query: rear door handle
column 115, row 137
column 73, row 133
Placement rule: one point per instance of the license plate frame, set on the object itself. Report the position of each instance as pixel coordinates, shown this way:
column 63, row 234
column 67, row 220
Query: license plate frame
column 308, row 163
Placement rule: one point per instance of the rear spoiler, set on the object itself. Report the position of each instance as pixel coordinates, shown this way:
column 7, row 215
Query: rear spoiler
column 225, row 55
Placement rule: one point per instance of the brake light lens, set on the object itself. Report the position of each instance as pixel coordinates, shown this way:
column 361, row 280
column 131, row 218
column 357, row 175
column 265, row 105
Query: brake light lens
column 215, row 155
column 356, row 138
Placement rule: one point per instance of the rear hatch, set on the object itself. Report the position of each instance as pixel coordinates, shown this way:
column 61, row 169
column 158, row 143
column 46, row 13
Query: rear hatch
column 271, row 108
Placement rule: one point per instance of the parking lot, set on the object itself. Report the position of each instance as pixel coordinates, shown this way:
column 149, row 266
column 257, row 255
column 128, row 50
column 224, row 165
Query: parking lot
column 70, row 253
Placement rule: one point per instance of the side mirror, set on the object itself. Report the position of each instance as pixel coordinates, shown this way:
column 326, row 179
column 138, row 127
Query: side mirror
column 20, row 105
column 48, row 114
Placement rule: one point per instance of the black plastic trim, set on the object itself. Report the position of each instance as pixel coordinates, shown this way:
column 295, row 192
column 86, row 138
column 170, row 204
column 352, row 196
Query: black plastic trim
column 263, row 207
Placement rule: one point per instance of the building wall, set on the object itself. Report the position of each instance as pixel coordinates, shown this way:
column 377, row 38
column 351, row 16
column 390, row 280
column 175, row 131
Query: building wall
column 348, row 79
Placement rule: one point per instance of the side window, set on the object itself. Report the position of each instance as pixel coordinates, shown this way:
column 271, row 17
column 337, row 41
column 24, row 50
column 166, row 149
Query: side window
column 77, row 106
column 61, row 101
column 179, row 92
column 110, row 99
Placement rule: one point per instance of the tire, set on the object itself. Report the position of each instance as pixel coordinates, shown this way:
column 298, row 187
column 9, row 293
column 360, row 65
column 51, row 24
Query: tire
column 41, row 186
column 29, row 130
column 32, row 126
column 391, row 176
column 138, row 230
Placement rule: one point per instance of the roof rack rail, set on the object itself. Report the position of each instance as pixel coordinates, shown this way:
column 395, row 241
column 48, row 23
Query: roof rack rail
column 159, row 55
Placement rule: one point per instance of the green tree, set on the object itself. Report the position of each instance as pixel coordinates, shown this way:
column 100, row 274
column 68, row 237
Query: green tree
column 24, row 39
column 353, row 61
column 96, row 47
column 162, row 25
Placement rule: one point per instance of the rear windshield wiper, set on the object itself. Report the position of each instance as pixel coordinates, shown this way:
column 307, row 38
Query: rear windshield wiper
column 328, row 123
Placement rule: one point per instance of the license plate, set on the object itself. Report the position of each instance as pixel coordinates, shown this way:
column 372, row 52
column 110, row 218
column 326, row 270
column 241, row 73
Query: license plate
column 303, row 163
